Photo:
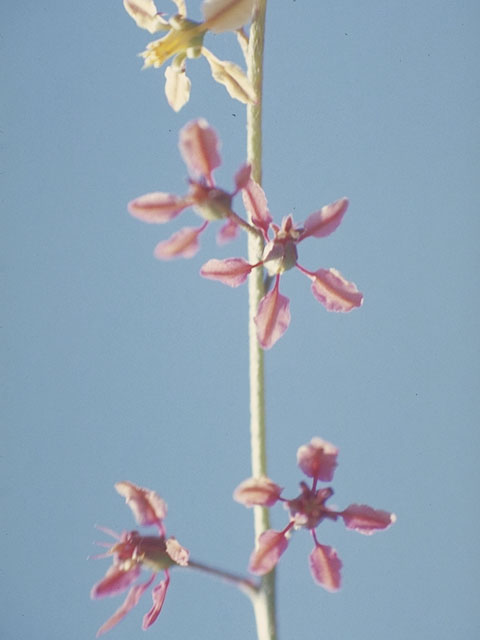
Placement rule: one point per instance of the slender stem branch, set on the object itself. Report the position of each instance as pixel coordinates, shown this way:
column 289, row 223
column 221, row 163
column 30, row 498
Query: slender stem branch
column 248, row 586
column 264, row 603
column 244, row 225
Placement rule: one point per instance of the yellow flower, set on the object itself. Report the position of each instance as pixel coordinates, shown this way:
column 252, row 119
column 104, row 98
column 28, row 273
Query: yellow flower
column 184, row 39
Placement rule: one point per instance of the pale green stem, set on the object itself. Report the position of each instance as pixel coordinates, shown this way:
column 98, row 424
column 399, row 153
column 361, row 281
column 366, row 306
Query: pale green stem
column 248, row 586
column 264, row 602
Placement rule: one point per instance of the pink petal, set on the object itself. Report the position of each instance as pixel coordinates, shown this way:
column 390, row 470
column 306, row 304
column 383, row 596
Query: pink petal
column 335, row 293
column 228, row 232
column 255, row 203
column 273, row 318
column 158, row 595
column 364, row 519
column 115, row 581
column 182, row 244
column 176, row 552
column 271, row 545
column 199, row 146
column 130, row 602
column 322, row 223
column 232, row 271
column 318, row 459
column 157, row 207
column 325, row 566
column 242, row 177
column 147, row 506
column 257, row 491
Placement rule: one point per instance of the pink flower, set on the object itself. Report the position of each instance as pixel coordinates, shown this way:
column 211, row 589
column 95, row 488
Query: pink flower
column 280, row 254
column 132, row 552
column 317, row 460
column 199, row 146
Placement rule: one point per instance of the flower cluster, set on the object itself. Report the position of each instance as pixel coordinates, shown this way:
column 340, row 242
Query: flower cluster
column 199, row 146
column 280, row 254
column 132, row 552
column 317, row 460
column 184, row 39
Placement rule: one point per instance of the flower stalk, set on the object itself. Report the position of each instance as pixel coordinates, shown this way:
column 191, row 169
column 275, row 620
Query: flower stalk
column 264, row 603
column 248, row 586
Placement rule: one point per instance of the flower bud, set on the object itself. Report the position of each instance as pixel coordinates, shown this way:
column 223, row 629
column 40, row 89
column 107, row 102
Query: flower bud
column 211, row 204
column 151, row 551
column 279, row 257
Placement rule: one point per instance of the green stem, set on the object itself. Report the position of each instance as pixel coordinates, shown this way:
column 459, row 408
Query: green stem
column 264, row 602
column 248, row 586
column 244, row 225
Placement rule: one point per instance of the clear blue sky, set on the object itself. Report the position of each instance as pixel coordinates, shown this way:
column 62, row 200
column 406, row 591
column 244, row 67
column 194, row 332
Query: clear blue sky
column 121, row 367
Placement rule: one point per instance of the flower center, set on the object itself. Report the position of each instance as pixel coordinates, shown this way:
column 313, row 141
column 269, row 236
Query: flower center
column 308, row 509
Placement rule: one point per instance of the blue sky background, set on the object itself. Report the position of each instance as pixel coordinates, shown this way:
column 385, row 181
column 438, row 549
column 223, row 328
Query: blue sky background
column 120, row 367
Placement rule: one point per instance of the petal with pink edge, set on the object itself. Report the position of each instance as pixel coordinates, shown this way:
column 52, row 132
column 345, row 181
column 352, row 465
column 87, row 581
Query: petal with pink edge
column 271, row 545
column 325, row 566
column 322, row 223
column 199, row 146
column 365, row 519
column 242, row 177
column 335, row 293
column 318, row 459
column 232, row 271
column 115, row 581
column 182, row 244
column 228, row 232
column 176, row 552
column 256, row 205
column 129, row 603
column 227, row 15
column 145, row 14
column 273, row 318
column 257, row 491
column 147, row 506
column 158, row 595
column 157, row 207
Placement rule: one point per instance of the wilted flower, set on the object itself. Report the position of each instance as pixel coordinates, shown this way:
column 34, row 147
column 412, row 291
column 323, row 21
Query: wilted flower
column 132, row 552
column 280, row 254
column 317, row 460
column 199, row 146
column 184, row 39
